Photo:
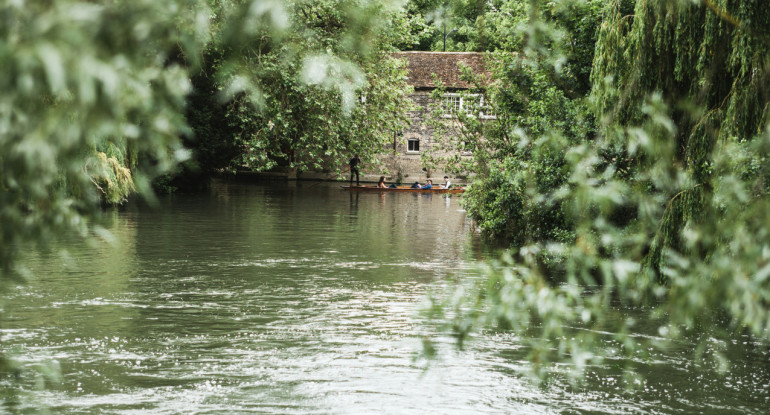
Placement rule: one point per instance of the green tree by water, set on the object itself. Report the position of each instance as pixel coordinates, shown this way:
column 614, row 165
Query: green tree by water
column 536, row 84
column 666, row 206
column 326, row 89
column 664, row 210
column 94, row 102
column 94, row 109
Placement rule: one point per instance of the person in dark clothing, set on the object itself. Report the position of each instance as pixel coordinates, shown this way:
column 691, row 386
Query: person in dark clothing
column 416, row 185
column 354, row 164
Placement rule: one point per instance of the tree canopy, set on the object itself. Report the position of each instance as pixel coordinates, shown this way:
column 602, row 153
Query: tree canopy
column 90, row 91
column 658, row 202
column 326, row 90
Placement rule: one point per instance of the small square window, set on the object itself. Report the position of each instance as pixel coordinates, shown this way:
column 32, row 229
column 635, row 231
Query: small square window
column 413, row 145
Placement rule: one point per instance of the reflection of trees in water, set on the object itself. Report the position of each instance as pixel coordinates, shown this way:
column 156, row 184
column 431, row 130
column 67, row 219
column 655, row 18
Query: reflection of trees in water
column 247, row 223
column 417, row 226
column 199, row 268
column 80, row 287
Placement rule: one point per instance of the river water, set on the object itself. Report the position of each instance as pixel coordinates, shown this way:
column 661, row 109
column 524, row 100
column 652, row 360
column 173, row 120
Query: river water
column 302, row 298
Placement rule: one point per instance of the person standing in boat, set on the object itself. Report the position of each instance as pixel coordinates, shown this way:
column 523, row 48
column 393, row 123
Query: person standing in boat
column 355, row 165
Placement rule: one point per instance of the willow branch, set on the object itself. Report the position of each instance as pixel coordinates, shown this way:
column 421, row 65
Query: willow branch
column 727, row 17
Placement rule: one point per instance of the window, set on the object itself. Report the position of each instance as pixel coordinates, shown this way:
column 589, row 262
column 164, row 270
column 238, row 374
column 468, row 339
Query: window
column 486, row 111
column 470, row 103
column 413, row 145
column 452, row 103
column 465, row 149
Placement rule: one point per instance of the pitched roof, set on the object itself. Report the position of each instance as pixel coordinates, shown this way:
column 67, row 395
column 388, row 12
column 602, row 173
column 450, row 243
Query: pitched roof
column 422, row 65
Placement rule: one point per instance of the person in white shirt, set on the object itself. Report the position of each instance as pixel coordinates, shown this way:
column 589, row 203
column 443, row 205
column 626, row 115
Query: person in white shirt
column 446, row 182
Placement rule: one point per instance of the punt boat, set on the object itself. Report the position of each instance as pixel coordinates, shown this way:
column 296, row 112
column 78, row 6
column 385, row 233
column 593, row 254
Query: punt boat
column 403, row 189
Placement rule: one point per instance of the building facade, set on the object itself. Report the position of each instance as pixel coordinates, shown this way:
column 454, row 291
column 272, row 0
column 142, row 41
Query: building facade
column 412, row 154
column 414, row 150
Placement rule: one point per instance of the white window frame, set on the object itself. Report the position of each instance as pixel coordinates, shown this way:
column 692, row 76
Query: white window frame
column 409, row 141
column 465, row 152
column 453, row 102
column 485, row 111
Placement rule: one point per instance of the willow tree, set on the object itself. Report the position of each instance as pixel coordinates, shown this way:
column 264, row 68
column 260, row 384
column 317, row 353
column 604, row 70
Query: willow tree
column 710, row 60
column 668, row 202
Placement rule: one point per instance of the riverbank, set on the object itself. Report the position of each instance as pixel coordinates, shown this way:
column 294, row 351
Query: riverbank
column 291, row 175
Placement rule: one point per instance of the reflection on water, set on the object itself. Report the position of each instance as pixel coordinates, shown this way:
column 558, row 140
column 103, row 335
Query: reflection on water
column 304, row 299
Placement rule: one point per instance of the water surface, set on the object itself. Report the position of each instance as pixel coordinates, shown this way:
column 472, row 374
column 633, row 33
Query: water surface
column 302, row 298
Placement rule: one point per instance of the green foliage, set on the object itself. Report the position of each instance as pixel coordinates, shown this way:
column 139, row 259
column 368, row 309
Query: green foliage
column 213, row 140
column 308, row 99
column 78, row 78
column 667, row 205
column 710, row 60
column 502, row 25
column 532, row 94
column 715, row 282
column 111, row 178
column 95, row 94
column 511, row 168
column 302, row 125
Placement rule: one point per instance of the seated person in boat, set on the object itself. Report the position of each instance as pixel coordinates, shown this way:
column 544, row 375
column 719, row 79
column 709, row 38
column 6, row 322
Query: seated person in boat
column 416, row 185
column 381, row 184
column 446, row 182
column 428, row 185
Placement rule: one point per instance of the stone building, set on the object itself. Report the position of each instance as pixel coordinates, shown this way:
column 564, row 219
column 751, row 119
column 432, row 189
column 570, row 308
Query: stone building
column 405, row 155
